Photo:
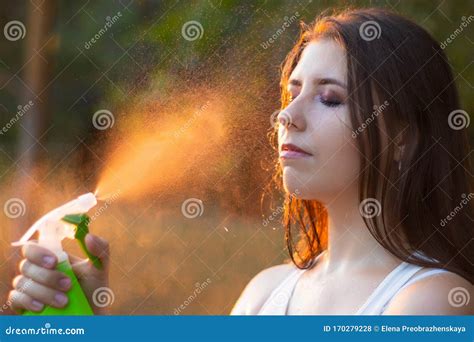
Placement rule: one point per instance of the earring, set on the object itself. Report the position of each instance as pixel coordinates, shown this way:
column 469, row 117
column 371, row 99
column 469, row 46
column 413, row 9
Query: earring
column 402, row 148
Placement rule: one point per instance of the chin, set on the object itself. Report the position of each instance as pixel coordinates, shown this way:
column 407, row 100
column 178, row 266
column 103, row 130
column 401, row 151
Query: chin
column 294, row 186
column 312, row 190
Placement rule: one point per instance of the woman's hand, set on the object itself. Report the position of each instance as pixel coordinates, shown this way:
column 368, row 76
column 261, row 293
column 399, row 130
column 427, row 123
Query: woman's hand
column 40, row 284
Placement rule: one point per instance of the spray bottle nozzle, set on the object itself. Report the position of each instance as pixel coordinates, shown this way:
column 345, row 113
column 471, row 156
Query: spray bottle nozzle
column 81, row 221
column 56, row 225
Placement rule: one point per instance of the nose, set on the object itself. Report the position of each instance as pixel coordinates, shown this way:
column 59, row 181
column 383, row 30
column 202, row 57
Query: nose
column 285, row 119
column 292, row 117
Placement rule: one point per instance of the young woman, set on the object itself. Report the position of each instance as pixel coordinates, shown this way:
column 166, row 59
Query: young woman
column 374, row 163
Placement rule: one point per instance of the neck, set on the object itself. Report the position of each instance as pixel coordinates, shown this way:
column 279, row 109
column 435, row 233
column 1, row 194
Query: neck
column 350, row 244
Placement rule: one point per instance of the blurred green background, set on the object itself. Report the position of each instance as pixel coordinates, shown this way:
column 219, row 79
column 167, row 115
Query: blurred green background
column 69, row 66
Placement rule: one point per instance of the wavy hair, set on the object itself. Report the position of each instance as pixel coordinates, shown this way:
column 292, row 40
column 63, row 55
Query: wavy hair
column 397, row 61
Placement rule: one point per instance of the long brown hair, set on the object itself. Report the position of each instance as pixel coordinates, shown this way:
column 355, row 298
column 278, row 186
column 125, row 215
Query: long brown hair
column 424, row 199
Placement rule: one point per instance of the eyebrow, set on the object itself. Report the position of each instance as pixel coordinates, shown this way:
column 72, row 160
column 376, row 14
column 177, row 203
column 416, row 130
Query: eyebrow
column 318, row 81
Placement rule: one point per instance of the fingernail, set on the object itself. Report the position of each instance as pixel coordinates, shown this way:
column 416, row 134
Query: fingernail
column 90, row 238
column 65, row 283
column 60, row 298
column 36, row 305
column 48, row 261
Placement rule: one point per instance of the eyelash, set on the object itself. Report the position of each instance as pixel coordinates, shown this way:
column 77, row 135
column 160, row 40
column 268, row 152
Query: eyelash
column 327, row 103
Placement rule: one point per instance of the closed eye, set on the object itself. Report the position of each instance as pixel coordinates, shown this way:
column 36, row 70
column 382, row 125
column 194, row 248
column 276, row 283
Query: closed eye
column 328, row 102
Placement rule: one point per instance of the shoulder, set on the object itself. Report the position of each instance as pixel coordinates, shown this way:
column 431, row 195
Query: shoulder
column 443, row 293
column 259, row 289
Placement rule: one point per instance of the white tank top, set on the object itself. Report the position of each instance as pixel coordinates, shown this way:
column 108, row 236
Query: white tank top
column 402, row 276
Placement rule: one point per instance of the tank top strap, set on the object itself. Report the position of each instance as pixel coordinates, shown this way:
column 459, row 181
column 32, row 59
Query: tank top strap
column 279, row 299
column 414, row 279
column 277, row 302
column 424, row 275
column 391, row 284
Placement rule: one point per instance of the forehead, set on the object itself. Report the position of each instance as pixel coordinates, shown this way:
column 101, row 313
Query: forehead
column 322, row 59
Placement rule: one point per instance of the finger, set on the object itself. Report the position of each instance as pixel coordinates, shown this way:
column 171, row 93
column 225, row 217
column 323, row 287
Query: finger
column 50, row 278
column 39, row 255
column 73, row 259
column 98, row 247
column 84, row 269
column 20, row 301
column 40, row 292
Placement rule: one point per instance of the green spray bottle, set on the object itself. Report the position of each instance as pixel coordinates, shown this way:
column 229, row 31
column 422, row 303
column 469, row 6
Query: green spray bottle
column 67, row 221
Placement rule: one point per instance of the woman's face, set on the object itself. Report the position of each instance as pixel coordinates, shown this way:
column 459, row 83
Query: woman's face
column 317, row 122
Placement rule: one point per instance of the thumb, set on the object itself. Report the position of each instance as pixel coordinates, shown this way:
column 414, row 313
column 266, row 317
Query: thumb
column 99, row 247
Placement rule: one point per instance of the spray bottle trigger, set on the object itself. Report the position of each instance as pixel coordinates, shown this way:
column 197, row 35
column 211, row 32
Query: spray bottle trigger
column 81, row 221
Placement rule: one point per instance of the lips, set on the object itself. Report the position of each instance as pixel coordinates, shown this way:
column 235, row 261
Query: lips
column 291, row 151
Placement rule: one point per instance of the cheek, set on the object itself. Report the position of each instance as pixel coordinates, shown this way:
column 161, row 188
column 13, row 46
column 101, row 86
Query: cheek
column 335, row 165
column 337, row 159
